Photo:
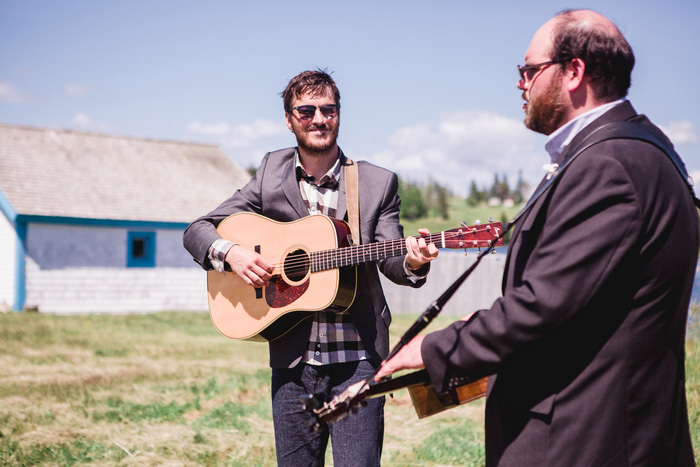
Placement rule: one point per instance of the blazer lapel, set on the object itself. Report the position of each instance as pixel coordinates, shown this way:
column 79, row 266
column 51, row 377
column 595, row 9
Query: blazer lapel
column 290, row 188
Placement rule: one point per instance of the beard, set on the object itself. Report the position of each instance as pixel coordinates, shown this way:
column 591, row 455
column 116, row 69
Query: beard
column 313, row 145
column 545, row 113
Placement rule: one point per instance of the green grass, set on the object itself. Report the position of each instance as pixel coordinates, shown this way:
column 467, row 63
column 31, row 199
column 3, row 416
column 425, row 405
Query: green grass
column 167, row 388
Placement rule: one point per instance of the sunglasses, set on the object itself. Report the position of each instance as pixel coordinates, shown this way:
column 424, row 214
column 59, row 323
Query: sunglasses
column 308, row 111
column 527, row 72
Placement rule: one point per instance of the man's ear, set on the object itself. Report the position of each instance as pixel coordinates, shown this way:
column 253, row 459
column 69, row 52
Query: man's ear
column 574, row 73
column 286, row 119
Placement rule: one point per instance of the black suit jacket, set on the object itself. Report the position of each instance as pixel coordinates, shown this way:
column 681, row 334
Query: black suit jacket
column 588, row 339
column 274, row 193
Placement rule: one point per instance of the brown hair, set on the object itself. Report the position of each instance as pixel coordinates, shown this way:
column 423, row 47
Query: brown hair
column 602, row 47
column 314, row 82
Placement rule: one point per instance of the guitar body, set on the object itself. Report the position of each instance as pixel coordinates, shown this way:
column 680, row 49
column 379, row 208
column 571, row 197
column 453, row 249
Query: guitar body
column 240, row 311
column 314, row 269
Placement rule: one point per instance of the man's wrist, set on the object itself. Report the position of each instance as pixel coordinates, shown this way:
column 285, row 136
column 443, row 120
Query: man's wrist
column 217, row 253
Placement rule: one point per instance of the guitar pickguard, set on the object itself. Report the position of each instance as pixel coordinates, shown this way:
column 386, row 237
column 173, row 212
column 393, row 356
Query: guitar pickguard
column 280, row 294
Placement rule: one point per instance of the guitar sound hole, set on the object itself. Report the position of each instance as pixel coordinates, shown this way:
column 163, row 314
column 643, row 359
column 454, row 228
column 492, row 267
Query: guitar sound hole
column 296, row 265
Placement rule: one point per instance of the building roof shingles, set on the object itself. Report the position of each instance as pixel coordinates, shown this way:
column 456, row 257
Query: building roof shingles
column 60, row 173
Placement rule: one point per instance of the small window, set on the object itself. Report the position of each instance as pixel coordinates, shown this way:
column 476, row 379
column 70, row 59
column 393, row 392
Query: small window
column 141, row 250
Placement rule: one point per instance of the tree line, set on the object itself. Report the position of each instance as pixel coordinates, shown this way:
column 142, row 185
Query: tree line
column 431, row 199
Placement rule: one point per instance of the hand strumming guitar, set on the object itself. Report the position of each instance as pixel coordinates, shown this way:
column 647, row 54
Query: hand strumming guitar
column 249, row 265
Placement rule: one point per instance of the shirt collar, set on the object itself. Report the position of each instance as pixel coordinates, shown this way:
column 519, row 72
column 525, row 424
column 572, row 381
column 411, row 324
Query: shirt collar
column 560, row 139
column 329, row 179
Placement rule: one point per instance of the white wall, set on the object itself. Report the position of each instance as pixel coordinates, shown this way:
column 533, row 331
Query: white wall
column 478, row 292
column 78, row 269
column 8, row 258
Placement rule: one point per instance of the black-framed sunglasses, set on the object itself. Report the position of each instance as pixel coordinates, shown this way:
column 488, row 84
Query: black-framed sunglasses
column 308, row 111
column 525, row 70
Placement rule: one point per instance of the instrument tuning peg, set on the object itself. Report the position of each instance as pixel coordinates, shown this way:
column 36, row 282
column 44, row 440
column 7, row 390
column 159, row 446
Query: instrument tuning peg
column 491, row 219
column 477, row 222
column 493, row 252
column 310, row 402
column 463, row 224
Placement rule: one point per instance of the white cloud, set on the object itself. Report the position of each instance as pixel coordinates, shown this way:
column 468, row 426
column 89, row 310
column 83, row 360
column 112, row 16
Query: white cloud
column 84, row 122
column 8, row 93
column 247, row 143
column 460, row 148
column 695, row 175
column 681, row 132
column 240, row 136
column 464, row 147
column 76, row 90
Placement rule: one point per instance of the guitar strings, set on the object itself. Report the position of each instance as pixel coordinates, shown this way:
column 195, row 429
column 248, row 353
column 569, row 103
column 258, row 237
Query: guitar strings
column 302, row 262
column 306, row 259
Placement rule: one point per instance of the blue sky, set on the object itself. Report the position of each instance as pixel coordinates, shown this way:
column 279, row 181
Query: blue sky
column 427, row 88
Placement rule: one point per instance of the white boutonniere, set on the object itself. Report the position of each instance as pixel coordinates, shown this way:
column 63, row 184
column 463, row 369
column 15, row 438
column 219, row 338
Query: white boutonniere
column 551, row 169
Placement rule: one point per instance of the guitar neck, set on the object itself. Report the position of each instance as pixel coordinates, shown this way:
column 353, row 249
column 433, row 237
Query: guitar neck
column 358, row 254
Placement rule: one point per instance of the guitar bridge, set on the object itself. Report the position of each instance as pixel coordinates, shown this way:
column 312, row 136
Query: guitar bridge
column 258, row 290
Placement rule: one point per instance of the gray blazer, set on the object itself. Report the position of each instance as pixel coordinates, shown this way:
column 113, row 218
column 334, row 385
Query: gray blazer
column 274, row 193
column 588, row 338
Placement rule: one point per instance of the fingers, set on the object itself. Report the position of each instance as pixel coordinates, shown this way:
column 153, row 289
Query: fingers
column 250, row 266
column 409, row 357
column 418, row 251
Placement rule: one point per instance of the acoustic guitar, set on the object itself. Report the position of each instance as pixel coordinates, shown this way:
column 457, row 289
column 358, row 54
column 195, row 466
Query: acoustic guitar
column 314, row 269
column 425, row 400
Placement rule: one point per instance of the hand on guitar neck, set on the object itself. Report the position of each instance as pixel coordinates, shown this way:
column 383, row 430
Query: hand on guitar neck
column 418, row 252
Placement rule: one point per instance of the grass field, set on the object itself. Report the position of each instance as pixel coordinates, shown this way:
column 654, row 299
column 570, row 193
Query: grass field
column 167, row 389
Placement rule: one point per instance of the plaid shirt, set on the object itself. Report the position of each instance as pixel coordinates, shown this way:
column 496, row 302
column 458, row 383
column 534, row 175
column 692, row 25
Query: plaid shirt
column 334, row 337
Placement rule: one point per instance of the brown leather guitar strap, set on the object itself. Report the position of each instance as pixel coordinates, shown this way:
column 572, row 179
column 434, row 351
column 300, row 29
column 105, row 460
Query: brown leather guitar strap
column 351, row 197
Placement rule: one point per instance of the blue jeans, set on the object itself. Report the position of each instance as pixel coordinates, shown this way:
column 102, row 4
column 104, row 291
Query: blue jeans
column 356, row 440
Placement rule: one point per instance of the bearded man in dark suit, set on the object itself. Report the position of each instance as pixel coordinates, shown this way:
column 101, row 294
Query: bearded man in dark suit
column 587, row 341
column 331, row 351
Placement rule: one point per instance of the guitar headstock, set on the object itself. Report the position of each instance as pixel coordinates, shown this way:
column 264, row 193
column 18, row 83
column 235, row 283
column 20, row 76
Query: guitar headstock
column 335, row 410
column 474, row 236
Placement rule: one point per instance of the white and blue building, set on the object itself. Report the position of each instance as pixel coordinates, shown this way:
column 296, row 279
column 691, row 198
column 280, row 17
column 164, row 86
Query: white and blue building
column 92, row 223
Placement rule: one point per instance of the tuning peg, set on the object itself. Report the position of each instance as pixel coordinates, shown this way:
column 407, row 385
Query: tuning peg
column 491, row 219
column 477, row 222
column 309, row 402
column 463, row 224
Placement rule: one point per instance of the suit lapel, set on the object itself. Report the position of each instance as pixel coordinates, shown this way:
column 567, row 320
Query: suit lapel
column 290, row 188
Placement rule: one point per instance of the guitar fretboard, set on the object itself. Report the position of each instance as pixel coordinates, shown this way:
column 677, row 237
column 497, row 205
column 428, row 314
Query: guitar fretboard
column 358, row 254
